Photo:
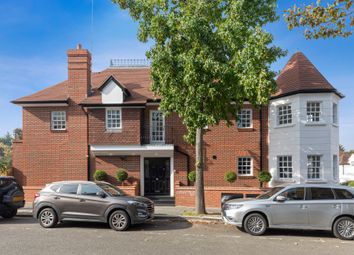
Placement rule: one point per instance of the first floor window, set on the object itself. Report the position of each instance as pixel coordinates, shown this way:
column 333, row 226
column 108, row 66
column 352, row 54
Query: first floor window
column 284, row 115
column 245, row 166
column 244, row 118
column 313, row 166
column 313, row 110
column 157, row 128
column 285, row 167
column 59, row 120
column 113, row 118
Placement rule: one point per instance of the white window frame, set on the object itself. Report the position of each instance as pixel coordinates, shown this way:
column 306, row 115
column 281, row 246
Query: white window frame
column 288, row 169
column 319, row 167
column 240, row 117
column 285, row 115
column 335, row 168
column 251, row 166
column 120, row 118
column 308, row 116
column 52, row 121
column 335, row 113
column 151, row 128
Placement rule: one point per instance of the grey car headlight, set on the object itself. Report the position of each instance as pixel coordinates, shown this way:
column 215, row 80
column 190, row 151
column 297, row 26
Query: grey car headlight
column 137, row 204
column 232, row 206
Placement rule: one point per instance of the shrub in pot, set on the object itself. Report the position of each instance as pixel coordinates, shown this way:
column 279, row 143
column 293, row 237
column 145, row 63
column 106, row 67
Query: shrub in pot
column 264, row 177
column 122, row 175
column 100, row 175
column 192, row 176
column 230, row 177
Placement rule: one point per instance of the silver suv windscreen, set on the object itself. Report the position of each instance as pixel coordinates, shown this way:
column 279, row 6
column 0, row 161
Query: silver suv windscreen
column 111, row 190
column 270, row 193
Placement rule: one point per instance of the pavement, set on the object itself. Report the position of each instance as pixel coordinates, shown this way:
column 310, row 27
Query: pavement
column 23, row 235
column 161, row 212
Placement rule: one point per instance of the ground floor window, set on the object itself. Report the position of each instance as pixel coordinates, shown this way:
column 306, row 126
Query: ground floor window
column 244, row 166
column 285, row 167
column 313, row 166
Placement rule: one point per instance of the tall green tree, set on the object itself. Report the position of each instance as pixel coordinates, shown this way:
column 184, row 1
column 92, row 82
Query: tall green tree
column 323, row 19
column 5, row 159
column 207, row 58
column 7, row 139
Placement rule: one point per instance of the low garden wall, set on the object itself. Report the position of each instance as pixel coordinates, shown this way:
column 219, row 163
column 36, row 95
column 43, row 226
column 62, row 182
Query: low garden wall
column 185, row 195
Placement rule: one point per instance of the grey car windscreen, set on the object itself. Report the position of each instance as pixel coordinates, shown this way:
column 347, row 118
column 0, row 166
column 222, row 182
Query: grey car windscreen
column 112, row 190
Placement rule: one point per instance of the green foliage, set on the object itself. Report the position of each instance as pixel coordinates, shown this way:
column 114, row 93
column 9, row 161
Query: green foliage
column 192, row 176
column 341, row 148
column 323, row 20
column 207, row 56
column 230, row 176
column 6, row 140
column 18, row 133
column 100, row 175
column 264, row 176
column 5, row 159
column 349, row 183
column 122, row 175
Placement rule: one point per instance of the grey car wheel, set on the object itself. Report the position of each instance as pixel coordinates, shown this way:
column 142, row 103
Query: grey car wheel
column 255, row 224
column 48, row 218
column 9, row 213
column 343, row 228
column 119, row 220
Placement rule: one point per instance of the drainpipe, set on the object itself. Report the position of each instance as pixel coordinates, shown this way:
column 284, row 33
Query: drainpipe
column 261, row 136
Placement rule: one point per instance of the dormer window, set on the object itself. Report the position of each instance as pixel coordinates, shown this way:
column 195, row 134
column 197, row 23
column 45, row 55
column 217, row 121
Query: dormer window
column 113, row 119
column 313, row 110
column 113, row 92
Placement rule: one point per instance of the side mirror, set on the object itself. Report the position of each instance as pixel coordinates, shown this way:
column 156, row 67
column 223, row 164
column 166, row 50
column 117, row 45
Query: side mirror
column 101, row 194
column 280, row 199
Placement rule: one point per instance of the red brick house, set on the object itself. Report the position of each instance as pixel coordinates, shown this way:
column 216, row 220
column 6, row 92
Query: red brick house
column 110, row 119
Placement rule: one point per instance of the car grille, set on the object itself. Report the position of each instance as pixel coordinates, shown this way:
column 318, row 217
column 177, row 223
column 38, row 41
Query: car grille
column 150, row 207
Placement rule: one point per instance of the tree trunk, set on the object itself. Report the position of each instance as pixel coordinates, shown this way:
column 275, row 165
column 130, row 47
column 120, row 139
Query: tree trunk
column 199, row 183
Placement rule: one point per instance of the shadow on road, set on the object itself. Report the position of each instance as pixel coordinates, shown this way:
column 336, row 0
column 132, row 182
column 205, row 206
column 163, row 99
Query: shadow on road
column 304, row 233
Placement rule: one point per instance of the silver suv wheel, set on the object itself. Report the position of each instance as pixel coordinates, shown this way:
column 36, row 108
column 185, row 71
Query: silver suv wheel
column 119, row 220
column 344, row 228
column 47, row 218
column 255, row 224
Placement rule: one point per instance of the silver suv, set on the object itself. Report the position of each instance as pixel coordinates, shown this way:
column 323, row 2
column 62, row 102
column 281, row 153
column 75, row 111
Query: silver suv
column 90, row 201
column 306, row 206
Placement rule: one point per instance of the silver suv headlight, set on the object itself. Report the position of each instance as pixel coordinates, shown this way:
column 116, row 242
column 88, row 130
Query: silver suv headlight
column 137, row 204
column 232, row 206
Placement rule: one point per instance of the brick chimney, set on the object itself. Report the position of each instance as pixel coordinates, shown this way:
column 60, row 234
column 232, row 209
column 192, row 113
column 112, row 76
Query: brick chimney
column 79, row 73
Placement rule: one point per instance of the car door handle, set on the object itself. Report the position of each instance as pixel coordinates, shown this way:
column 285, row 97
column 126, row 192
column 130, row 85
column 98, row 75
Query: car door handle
column 336, row 206
column 56, row 197
column 303, row 207
column 82, row 200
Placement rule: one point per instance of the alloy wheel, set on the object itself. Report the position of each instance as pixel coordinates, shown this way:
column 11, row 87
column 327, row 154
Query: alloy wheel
column 255, row 224
column 345, row 228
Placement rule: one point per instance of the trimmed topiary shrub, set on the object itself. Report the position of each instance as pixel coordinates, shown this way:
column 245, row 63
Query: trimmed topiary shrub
column 230, row 176
column 122, row 175
column 100, row 175
column 264, row 177
column 192, row 176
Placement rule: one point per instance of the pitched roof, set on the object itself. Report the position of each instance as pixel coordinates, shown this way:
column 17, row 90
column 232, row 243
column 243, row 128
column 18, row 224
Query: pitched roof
column 344, row 157
column 300, row 76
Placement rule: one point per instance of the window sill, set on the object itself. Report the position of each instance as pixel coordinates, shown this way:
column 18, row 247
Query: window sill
column 59, row 130
column 251, row 129
column 285, row 180
column 316, row 181
column 335, row 125
column 243, row 177
column 113, row 130
column 285, row 126
column 315, row 124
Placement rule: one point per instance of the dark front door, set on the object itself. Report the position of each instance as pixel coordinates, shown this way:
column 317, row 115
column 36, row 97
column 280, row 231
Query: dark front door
column 157, row 176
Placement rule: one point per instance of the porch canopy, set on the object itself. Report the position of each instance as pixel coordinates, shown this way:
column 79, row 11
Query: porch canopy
column 148, row 150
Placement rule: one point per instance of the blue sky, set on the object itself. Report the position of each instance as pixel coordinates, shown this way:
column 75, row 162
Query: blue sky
column 35, row 34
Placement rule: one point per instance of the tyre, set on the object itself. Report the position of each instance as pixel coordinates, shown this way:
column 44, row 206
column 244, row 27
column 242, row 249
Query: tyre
column 343, row 228
column 9, row 213
column 119, row 220
column 255, row 224
column 47, row 218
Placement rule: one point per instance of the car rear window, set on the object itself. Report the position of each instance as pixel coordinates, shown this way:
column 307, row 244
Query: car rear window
column 321, row 194
column 343, row 194
column 69, row 189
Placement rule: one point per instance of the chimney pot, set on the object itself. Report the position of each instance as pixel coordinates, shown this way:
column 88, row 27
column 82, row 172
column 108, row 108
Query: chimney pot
column 78, row 47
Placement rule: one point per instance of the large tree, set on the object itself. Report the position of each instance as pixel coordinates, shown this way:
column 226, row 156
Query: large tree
column 207, row 58
column 323, row 19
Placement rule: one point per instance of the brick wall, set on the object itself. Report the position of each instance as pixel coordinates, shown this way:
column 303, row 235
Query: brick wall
column 130, row 133
column 110, row 164
column 185, row 195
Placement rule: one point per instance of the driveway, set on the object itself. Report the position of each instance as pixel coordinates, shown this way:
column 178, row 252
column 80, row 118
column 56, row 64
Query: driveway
column 23, row 235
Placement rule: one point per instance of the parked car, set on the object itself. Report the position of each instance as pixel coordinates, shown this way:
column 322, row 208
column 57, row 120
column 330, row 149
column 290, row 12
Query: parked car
column 11, row 196
column 307, row 206
column 90, row 201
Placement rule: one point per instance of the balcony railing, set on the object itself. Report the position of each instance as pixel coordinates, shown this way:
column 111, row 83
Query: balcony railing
column 122, row 62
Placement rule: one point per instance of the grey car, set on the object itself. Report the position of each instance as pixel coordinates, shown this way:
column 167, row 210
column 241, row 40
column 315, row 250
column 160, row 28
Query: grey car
column 90, row 201
column 301, row 206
